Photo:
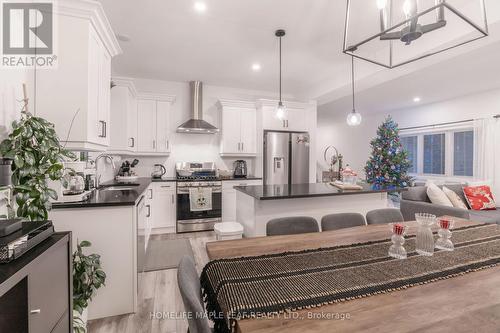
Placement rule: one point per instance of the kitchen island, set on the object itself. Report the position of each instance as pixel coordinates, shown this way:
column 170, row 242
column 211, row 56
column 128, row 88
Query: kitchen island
column 256, row 205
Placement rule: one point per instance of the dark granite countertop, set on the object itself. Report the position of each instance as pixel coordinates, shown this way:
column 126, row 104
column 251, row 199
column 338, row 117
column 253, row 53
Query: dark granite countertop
column 101, row 198
column 276, row 192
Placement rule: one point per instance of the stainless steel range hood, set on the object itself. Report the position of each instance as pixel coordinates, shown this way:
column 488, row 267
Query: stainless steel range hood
column 196, row 124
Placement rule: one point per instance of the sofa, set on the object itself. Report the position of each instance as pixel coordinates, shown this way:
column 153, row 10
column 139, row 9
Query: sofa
column 415, row 200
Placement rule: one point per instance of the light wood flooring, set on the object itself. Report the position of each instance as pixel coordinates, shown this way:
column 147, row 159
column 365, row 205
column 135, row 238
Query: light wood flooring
column 157, row 292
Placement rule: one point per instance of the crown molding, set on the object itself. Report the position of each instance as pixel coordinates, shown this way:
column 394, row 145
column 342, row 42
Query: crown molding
column 94, row 12
column 157, row 97
column 125, row 82
column 229, row 103
column 290, row 104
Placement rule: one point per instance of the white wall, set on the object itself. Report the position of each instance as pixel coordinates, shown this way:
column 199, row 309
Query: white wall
column 354, row 142
column 191, row 147
column 11, row 92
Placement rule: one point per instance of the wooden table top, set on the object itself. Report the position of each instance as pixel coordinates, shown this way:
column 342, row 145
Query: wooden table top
column 468, row 303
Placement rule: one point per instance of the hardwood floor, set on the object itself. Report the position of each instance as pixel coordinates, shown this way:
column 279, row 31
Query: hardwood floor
column 158, row 294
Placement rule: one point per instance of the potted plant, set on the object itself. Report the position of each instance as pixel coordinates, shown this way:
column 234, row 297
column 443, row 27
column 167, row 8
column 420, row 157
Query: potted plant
column 88, row 276
column 38, row 156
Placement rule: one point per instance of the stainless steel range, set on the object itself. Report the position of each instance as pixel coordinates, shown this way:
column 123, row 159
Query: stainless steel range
column 194, row 178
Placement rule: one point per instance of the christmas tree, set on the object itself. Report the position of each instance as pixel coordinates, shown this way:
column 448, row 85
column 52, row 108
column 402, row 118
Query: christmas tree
column 388, row 164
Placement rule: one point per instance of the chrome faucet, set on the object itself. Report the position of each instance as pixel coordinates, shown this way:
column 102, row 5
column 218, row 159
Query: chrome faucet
column 97, row 175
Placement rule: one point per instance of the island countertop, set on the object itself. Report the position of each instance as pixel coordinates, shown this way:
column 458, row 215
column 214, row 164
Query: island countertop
column 276, row 192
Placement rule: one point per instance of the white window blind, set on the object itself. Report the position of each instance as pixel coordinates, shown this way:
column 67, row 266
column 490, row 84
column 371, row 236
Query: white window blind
column 463, row 153
column 434, row 154
column 410, row 144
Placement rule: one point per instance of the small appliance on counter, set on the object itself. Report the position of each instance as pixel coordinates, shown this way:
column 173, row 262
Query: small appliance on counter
column 158, row 171
column 72, row 187
column 23, row 237
column 5, row 172
column 127, row 174
column 240, row 169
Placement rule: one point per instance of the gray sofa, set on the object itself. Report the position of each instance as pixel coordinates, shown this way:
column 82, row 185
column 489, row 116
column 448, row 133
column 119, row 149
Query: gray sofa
column 415, row 200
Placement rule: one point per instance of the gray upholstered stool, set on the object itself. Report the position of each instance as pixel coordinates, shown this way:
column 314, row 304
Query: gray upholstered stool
column 291, row 226
column 341, row 220
column 385, row 215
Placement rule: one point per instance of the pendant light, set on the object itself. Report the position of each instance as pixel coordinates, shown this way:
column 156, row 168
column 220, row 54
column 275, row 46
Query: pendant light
column 353, row 118
column 281, row 113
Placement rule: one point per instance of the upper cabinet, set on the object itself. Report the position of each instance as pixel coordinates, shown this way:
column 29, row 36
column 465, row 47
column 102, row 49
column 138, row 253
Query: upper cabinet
column 239, row 128
column 75, row 96
column 123, row 138
column 153, row 124
column 300, row 116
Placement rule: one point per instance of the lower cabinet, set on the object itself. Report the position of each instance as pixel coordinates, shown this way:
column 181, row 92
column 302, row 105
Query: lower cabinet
column 229, row 197
column 38, row 297
column 164, row 205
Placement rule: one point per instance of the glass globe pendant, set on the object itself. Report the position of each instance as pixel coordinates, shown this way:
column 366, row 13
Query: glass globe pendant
column 353, row 118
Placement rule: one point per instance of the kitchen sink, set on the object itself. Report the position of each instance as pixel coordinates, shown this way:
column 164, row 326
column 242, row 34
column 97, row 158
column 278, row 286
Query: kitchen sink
column 117, row 188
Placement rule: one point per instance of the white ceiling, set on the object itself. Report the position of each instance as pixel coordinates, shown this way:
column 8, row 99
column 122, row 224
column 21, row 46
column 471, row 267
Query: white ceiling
column 169, row 40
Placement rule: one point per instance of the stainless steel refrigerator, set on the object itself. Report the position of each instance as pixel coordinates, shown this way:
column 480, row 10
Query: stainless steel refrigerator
column 286, row 158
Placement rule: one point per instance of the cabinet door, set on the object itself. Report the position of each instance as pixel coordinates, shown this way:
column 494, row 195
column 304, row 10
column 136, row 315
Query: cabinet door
column 297, row 120
column 48, row 290
column 231, row 134
column 146, row 126
column 104, row 95
column 229, row 205
column 131, row 123
column 119, row 139
column 270, row 121
column 165, row 206
column 94, row 127
column 162, row 127
column 248, row 130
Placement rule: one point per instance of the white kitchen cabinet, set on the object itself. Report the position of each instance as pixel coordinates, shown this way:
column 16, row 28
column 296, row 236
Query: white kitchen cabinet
column 298, row 116
column 123, row 138
column 164, row 204
column 146, row 126
column 153, row 124
column 239, row 128
column 229, row 197
column 75, row 96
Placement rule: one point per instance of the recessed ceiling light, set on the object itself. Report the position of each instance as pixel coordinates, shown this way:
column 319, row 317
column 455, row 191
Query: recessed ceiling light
column 256, row 67
column 200, row 7
column 417, row 99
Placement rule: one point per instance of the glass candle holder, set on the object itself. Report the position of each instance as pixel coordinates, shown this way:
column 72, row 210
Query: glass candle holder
column 398, row 232
column 444, row 234
column 425, row 239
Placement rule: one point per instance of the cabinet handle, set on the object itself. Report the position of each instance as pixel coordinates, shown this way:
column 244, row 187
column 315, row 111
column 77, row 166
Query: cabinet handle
column 150, row 193
column 35, row 311
column 132, row 140
column 165, row 186
column 173, row 200
column 149, row 210
column 105, row 129
column 242, row 146
column 287, row 124
column 239, row 146
column 154, row 144
column 168, row 144
column 102, row 122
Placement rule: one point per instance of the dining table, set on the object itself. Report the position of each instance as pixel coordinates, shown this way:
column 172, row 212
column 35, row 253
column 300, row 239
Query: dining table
column 463, row 303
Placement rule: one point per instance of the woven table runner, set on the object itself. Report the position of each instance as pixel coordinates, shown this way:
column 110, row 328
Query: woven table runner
column 250, row 287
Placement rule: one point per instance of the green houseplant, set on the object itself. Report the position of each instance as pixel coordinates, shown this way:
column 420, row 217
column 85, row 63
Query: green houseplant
column 38, row 156
column 88, row 276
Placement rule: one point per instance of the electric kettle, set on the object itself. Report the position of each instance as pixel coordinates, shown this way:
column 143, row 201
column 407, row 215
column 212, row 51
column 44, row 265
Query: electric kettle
column 158, row 171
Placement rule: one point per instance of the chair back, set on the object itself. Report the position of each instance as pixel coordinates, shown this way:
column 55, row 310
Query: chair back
column 291, row 226
column 190, row 288
column 385, row 215
column 341, row 220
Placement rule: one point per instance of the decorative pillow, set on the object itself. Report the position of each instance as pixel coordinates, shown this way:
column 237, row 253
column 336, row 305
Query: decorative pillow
column 455, row 199
column 437, row 196
column 480, row 197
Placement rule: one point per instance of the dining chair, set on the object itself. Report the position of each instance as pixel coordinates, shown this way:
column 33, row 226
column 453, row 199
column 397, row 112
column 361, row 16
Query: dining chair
column 190, row 288
column 342, row 220
column 291, row 226
column 384, row 215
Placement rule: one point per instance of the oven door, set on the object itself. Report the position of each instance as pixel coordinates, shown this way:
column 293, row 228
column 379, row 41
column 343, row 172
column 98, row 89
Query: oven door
column 188, row 221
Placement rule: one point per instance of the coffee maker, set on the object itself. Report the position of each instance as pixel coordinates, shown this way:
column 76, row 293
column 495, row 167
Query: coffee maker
column 240, row 169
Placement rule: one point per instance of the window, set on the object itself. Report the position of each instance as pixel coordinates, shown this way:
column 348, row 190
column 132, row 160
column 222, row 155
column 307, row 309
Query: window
column 410, row 144
column 434, row 154
column 463, row 153
column 440, row 152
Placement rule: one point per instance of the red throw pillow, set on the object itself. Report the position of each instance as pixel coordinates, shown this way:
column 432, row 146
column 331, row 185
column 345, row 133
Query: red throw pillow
column 480, row 197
